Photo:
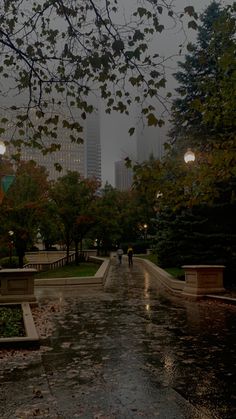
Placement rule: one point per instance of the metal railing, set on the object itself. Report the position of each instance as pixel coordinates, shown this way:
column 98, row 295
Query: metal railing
column 59, row 263
column 45, row 266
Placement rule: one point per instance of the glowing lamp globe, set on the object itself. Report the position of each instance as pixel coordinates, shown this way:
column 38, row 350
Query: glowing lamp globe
column 189, row 156
column 2, row 147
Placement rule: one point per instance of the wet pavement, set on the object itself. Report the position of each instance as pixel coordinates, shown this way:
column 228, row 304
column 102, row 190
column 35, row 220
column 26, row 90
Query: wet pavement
column 129, row 351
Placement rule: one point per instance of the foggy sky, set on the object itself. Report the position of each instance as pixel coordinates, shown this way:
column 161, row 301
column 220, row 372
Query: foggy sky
column 115, row 141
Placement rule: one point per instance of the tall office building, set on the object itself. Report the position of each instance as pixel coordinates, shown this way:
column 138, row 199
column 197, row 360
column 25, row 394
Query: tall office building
column 69, row 157
column 84, row 158
column 123, row 176
column 148, row 143
column 92, row 149
column 150, row 139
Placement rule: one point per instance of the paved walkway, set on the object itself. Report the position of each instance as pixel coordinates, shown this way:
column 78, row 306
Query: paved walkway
column 126, row 352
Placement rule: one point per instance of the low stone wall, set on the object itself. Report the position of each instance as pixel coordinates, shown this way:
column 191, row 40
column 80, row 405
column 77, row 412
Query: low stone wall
column 102, row 272
column 162, row 276
column 17, row 285
column 200, row 280
column 98, row 279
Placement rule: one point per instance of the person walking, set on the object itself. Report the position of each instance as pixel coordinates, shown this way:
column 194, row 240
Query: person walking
column 120, row 254
column 130, row 253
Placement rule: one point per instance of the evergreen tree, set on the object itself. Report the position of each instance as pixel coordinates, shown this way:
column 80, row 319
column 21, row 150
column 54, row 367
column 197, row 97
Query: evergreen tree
column 204, row 111
column 200, row 235
column 202, row 229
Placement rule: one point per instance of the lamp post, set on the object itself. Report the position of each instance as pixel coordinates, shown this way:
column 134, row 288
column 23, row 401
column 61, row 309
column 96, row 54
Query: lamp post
column 2, row 152
column 145, row 231
column 189, row 156
column 5, row 179
column 11, row 234
column 2, row 148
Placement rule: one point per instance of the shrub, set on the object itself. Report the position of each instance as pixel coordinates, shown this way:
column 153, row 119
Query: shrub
column 139, row 247
column 4, row 251
column 9, row 263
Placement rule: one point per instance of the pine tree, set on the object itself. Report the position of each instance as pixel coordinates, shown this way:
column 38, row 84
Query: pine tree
column 204, row 111
column 203, row 230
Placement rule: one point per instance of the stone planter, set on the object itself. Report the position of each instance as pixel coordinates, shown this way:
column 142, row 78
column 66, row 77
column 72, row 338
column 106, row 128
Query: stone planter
column 201, row 280
column 31, row 338
column 17, row 285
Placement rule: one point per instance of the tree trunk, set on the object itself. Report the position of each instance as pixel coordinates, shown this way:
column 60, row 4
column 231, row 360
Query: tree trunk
column 21, row 259
column 76, row 252
column 20, row 246
column 67, row 251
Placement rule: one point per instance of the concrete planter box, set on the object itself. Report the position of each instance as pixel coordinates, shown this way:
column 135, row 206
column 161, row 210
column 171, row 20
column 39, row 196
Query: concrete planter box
column 201, row 280
column 17, row 285
column 31, row 338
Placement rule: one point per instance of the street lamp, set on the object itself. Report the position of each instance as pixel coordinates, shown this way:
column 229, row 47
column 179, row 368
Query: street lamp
column 2, row 148
column 2, row 152
column 159, row 194
column 189, row 156
column 145, row 231
column 5, row 180
column 11, row 234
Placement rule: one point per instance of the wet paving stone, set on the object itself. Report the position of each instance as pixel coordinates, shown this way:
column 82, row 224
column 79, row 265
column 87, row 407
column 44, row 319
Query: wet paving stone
column 130, row 351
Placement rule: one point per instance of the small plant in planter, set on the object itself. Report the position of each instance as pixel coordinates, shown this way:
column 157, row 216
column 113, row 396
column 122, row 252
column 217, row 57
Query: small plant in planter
column 11, row 321
column 10, row 263
column 7, row 262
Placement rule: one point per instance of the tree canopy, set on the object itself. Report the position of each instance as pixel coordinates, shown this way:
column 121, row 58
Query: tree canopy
column 53, row 53
column 204, row 112
column 73, row 197
column 203, row 115
column 198, row 202
column 24, row 204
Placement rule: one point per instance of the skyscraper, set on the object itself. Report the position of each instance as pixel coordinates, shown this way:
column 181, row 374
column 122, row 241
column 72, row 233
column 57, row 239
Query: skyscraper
column 92, row 145
column 149, row 142
column 69, row 157
column 84, row 158
column 123, row 176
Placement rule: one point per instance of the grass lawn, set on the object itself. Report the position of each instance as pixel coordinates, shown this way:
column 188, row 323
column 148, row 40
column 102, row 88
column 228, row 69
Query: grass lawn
column 151, row 257
column 11, row 321
column 84, row 269
column 177, row 273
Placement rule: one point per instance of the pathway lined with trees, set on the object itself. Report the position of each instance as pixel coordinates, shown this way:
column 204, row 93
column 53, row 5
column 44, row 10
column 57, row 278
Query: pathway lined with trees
column 188, row 210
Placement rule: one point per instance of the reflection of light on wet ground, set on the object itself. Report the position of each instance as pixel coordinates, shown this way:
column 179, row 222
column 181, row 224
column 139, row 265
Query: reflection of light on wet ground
column 149, row 328
column 61, row 299
column 168, row 363
column 133, row 339
column 146, row 284
column 148, row 311
column 57, row 295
